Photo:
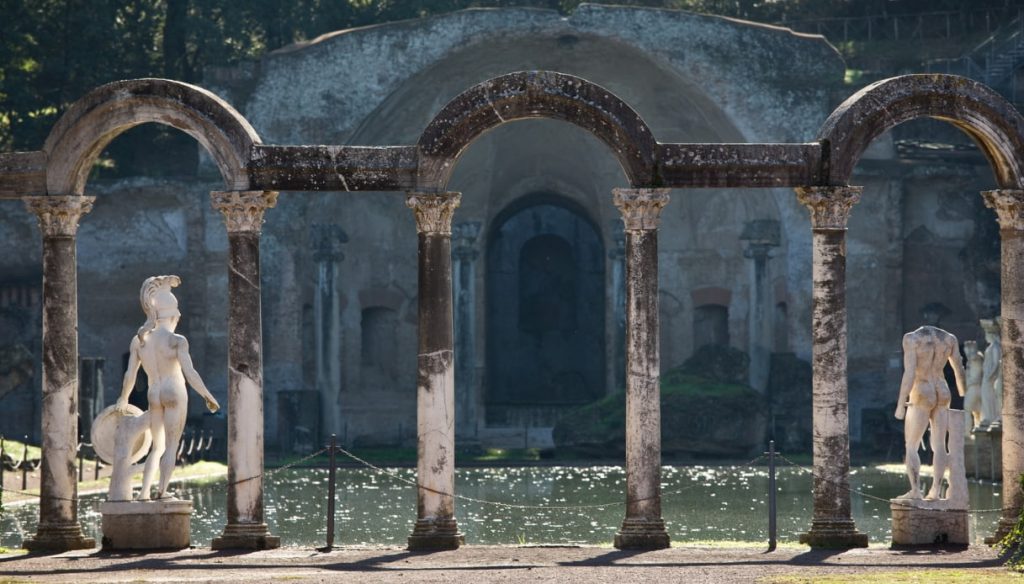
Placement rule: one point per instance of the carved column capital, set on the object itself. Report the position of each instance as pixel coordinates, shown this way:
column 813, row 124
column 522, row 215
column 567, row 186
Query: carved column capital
column 829, row 206
column 640, row 208
column 433, row 211
column 243, row 210
column 1009, row 207
column 58, row 215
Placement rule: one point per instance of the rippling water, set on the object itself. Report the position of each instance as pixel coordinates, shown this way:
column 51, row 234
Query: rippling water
column 699, row 503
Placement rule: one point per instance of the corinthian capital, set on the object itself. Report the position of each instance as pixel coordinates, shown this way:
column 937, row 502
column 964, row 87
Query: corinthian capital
column 830, row 206
column 640, row 208
column 243, row 210
column 434, row 211
column 1009, row 207
column 58, row 215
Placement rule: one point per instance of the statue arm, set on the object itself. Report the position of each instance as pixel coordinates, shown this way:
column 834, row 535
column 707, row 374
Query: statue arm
column 958, row 367
column 192, row 376
column 909, row 367
column 130, row 376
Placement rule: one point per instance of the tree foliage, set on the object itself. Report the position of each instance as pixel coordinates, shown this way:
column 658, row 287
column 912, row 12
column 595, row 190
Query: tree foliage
column 53, row 51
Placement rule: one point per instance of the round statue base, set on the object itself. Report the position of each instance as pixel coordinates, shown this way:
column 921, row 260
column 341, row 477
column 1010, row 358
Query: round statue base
column 917, row 526
column 146, row 525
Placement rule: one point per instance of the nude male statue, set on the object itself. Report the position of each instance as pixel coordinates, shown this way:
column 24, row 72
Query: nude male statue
column 925, row 353
column 165, row 358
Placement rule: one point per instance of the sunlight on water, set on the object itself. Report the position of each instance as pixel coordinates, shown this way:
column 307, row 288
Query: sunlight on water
column 699, row 503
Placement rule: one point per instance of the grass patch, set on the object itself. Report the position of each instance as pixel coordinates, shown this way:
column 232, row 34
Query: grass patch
column 950, row 576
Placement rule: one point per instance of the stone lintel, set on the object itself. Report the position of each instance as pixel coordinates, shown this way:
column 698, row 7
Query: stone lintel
column 434, row 211
column 830, row 207
column 1009, row 207
column 243, row 210
column 58, row 215
column 640, row 208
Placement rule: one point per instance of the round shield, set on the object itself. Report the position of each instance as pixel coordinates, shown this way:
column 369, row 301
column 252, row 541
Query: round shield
column 105, row 428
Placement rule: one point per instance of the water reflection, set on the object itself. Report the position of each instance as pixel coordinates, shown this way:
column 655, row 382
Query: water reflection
column 700, row 503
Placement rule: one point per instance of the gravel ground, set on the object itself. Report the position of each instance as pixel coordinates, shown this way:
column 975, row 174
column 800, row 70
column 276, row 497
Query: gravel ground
column 691, row 565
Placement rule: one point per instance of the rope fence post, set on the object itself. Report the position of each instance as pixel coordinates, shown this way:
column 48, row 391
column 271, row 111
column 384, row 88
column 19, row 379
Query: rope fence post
column 772, row 524
column 24, row 465
column 3, row 451
column 331, row 485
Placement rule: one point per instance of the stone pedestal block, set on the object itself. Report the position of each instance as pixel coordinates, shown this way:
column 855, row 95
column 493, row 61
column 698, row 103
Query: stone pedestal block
column 430, row 535
column 640, row 534
column 913, row 526
column 983, row 454
column 146, row 525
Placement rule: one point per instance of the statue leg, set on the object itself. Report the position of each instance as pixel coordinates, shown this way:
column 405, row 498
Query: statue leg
column 940, row 427
column 174, row 425
column 915, row 423
column 156, row 426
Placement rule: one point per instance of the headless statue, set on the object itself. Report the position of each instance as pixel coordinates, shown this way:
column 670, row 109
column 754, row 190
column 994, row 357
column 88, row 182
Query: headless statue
column 924, row 399
column 972, row 399
column 165, row 358
column 992, row 375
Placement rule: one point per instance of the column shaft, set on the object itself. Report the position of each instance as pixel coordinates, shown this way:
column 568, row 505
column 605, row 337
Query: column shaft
column 832, row 524
column 643, row 527
column 436, row 527
column 59, row 529
column 246, row 529
column 1009, row 206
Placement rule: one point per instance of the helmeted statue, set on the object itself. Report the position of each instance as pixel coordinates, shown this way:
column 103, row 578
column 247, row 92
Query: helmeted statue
column 992, row 376
column 164, row 356
column 972, row 399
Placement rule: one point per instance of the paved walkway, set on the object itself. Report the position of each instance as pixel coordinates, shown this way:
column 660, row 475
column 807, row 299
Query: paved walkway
column 690, row 565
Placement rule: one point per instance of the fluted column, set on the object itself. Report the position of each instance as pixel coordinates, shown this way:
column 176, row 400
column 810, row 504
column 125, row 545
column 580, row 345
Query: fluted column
column 465, row 252
column 59, row 529
column 1009, row 207
column 435, row 380
column 243, row 215
column 643, row 527
column 832, row 525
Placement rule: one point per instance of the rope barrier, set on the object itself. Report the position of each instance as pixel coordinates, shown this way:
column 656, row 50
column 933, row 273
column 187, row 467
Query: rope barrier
column 881, row 499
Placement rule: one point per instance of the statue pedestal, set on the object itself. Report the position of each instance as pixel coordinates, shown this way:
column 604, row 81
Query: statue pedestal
column 920, row 523
column 146, row 525
column 983, row 453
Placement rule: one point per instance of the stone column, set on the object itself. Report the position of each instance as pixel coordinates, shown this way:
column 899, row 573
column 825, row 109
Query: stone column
column 327, row 242
column 59, row 530
column 761, row 236
column 832, row 525
column 643, row 527
column 243, row 215
column 464, row 250
column 435, row 380
column 1009, row 207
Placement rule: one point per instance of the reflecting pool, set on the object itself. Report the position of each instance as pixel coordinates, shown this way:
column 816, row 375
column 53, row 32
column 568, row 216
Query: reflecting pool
column 699, row 503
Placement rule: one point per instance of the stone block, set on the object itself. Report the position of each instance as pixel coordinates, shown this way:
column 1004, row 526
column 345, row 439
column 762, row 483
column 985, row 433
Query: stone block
column 916, row 526
column 146, row 525
column 983, row 454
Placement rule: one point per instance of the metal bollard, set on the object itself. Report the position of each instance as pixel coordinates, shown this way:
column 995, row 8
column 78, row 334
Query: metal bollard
column 772, row 527
column 3, row 450
column 24, row 466
column 96, row 469
column 331, row 485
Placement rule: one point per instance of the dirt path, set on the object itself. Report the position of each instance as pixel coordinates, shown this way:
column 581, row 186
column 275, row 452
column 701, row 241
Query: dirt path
column 690, row 565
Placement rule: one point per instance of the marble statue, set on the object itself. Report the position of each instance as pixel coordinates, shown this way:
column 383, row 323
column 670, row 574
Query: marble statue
column 992, row 375
column 972, row 399
column 924, row 400
column 165, row 358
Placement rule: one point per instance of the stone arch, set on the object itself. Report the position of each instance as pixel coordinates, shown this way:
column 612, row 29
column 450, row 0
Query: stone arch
column 970, row 106
column 93, row 121
column 535, row 94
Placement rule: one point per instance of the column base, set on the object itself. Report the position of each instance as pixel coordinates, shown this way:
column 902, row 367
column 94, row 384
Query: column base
column 59, row 538
column 433, row 535
column 840, row 534
column 642, row 534
column 246, row 536
column 1003, row 528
